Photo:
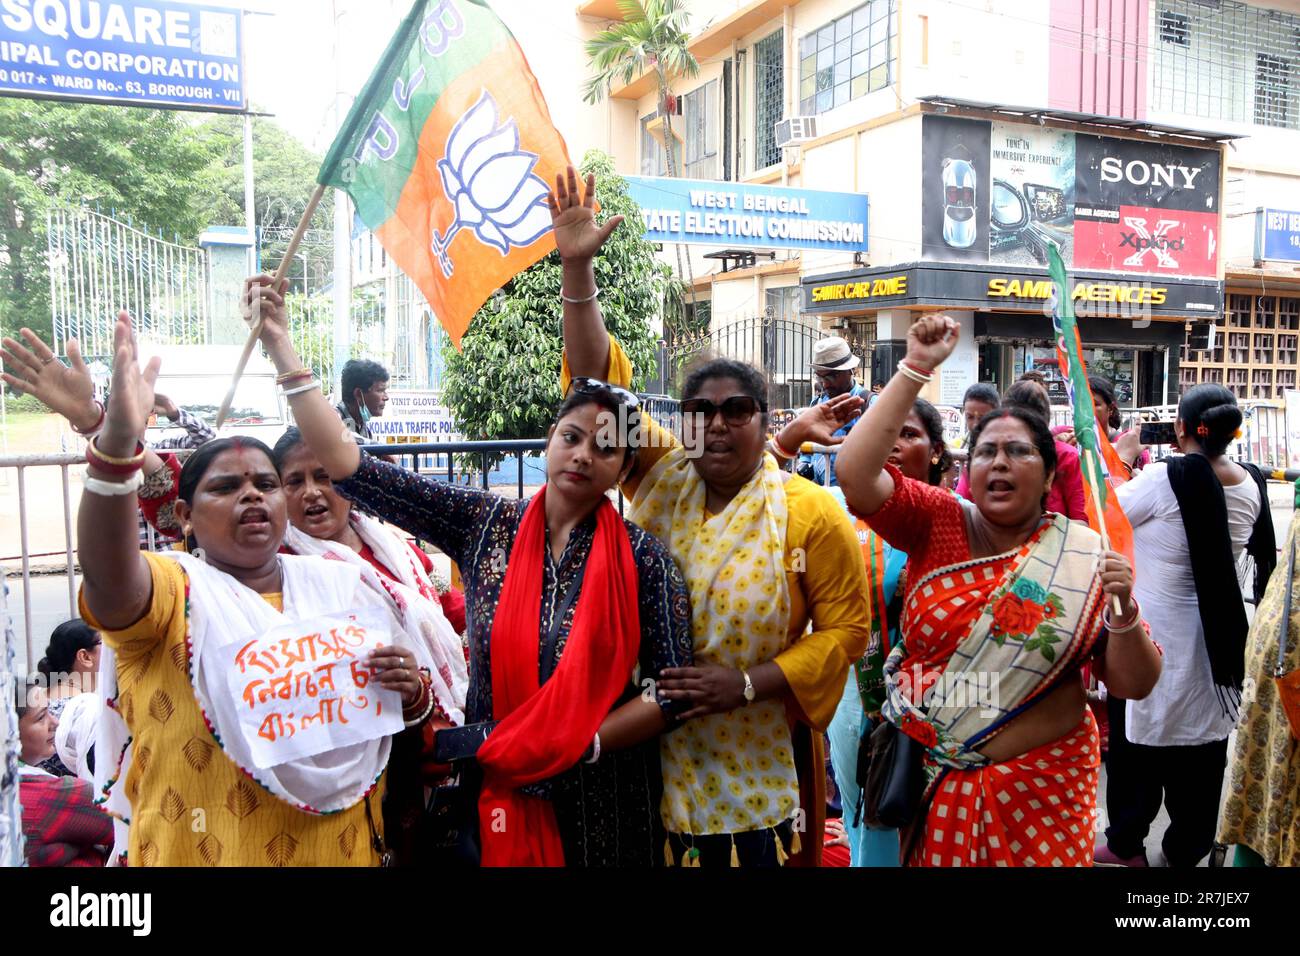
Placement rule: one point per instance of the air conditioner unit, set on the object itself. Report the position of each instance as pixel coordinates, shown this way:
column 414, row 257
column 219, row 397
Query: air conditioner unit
column 795, row 130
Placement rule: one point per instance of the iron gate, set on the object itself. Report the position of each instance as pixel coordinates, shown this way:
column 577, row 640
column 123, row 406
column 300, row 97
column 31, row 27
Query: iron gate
column 780, row 348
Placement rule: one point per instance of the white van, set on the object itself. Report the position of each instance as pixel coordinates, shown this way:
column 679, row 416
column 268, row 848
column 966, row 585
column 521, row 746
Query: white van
column 197, row 377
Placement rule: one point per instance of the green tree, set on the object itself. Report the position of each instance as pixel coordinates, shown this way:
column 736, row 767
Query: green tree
column 504, row 383
column 143, row 163
column 651, row 36
column 284, row 174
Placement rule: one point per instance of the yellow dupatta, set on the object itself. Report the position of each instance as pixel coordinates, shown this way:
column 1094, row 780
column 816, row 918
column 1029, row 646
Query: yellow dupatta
column 732, row 772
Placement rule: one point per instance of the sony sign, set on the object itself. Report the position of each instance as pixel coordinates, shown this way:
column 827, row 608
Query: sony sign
column 1140, row 173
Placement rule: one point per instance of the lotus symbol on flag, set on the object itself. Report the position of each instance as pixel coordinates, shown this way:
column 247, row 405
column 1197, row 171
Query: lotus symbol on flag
column 491, row 183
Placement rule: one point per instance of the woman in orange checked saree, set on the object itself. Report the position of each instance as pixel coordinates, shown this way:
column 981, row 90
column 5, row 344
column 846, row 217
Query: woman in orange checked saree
column 1005, row 601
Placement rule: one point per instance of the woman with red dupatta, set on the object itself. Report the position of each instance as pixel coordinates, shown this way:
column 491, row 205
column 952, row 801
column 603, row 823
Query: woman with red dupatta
column 572, row 614
column 1005, row 602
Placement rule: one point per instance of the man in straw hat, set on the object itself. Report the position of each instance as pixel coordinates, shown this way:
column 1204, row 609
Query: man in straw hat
column 834, row 363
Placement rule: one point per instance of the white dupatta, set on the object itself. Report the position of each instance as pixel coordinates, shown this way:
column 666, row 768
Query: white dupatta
column 222, row 611
column 421, row 616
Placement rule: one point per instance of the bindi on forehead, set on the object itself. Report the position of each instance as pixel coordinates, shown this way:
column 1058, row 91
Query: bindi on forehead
column 240, row 463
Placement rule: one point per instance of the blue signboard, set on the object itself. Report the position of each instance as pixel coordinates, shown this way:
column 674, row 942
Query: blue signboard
column 133, row 52
column 1277, row 235
column 741, row 216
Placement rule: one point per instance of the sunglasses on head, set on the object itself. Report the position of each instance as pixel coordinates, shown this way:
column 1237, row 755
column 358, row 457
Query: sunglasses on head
column 736, row 410
column 594, row 386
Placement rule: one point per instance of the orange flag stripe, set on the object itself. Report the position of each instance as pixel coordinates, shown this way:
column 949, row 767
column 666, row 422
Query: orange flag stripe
column 423, row 207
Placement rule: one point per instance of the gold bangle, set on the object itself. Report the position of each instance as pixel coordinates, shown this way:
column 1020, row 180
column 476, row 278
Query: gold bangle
column 290, row 376
column 136, row 459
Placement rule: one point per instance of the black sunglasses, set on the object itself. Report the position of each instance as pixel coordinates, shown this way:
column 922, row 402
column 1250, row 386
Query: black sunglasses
column 736, row 410
column 594, row 386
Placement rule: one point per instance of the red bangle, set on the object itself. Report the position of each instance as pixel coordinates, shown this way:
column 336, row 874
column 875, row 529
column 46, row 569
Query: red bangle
column 114, row 466
column 94, row 428
column 916, row 368
column 781, row 450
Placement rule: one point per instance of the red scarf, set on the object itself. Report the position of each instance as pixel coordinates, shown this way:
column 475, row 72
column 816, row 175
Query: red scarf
column 545, row 729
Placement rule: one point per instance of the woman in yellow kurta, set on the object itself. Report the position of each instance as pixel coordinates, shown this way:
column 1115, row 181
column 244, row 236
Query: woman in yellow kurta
column 177, row 765
column 1261, row 813
column 778, row 589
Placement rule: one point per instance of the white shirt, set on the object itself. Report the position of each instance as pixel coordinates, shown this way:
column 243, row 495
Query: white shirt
column 1184, row 707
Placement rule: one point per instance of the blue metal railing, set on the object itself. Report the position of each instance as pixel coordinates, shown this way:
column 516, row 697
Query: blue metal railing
column 411, row 455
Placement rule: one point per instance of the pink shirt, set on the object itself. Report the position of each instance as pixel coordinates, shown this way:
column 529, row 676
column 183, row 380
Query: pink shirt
column 1067, row 493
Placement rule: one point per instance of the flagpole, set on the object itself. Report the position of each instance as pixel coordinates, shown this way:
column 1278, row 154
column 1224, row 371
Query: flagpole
column 1094, row 468
column 256, row 330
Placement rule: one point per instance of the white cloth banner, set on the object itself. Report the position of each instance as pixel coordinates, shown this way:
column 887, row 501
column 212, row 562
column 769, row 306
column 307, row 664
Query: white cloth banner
column 302, row 688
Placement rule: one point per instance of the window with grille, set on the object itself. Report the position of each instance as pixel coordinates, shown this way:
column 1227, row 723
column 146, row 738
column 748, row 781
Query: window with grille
column 784, row 303
column 727, row 119
column 849, row 57
column 700, row 122
column 769, row 69
column 1226, row 61
column 1175, row 28
column 1273, row 90
column 654, row 160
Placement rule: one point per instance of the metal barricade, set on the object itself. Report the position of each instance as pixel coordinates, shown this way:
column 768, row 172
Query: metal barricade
column 65, row 563
column 21, row 464
column 72, row 467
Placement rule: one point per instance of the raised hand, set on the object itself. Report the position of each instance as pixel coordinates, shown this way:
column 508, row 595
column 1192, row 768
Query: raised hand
column 261, row 300
column 819, row 422
column 130, row 398
column 68, row 390
column 931, row 340
column 573, row 217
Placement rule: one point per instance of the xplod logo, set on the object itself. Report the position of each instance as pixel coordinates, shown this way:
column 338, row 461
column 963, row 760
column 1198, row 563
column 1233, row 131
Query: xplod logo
column 1157, row 242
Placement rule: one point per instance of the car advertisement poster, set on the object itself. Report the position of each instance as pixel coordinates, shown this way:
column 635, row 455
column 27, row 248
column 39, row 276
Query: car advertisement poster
column 955, row 189
column 1032, row 202
column 1001, row 192
column 1141, row 207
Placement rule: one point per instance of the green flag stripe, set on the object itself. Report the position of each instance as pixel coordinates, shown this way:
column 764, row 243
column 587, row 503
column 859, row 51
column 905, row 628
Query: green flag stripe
column 1085, row 418
column 469, row 31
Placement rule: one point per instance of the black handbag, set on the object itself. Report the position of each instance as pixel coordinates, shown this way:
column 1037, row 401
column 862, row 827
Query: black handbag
column 448, row 834
column 895, row 779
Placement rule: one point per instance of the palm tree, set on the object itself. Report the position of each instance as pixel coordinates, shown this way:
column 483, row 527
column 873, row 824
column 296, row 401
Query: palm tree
column 651, row 36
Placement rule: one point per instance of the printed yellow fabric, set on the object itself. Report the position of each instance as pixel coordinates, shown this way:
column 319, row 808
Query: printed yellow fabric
column 1262, row 808
column 824, row 573
column 191, row 805
column 732, row 772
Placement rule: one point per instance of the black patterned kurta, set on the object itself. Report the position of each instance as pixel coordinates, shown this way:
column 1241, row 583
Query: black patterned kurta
column 608, row 812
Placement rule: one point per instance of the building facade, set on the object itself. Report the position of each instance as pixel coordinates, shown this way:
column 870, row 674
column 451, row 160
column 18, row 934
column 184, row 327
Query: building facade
column 1142, row 136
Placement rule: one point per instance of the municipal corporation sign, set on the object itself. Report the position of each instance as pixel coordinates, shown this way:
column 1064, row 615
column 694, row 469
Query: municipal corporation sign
column 131, row 52
column 741, row 216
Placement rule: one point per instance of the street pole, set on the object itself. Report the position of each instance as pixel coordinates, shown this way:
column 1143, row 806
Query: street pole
column 250, row 218
column 342, row 223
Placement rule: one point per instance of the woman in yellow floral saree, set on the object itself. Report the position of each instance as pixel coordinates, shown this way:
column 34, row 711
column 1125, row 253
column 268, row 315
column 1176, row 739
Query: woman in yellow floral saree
column 777, row 586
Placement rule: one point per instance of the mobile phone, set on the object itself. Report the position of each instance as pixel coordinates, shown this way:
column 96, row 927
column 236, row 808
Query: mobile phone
column 1157, row 433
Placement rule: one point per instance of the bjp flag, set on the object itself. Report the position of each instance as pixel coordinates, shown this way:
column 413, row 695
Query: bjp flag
column 448, row 154
column 1100, row 463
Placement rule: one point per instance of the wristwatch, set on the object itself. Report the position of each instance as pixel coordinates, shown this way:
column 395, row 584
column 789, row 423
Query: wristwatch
column 749, row 687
